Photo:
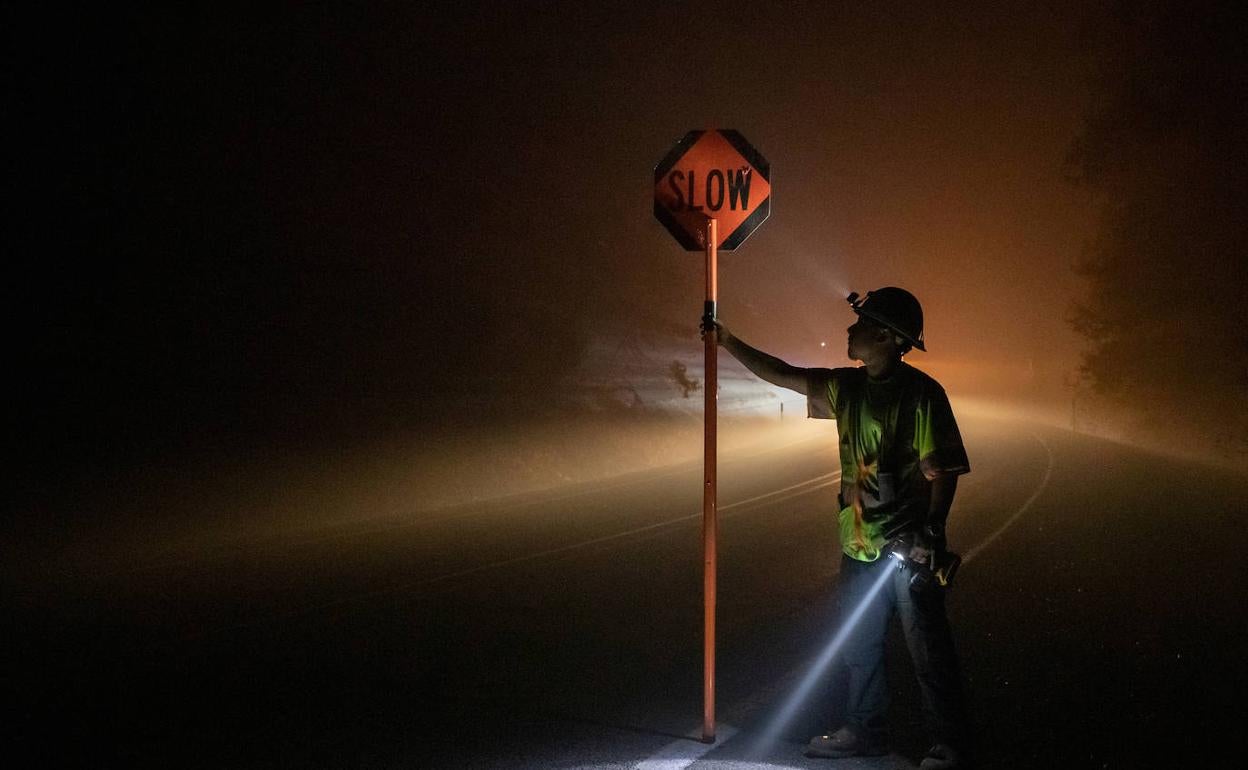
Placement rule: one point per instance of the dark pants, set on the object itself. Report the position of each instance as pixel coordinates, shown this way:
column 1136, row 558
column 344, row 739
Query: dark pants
column 928, row 637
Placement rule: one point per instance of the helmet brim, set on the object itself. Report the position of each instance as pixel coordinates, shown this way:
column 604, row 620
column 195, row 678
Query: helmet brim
column 867, row 313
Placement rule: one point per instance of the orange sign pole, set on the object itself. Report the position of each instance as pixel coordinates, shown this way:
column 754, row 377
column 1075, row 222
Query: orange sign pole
column 708, row 180
column 710, row 523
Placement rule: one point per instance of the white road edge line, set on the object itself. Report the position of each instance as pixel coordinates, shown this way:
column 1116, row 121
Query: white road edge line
column 774, row 492
column 619, row 535
column 678, row 755
column 1044, row 483
column 826, row 480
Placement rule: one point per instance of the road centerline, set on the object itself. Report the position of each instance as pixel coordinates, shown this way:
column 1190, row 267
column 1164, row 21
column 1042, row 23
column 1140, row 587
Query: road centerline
column 1026, row 506
column 678, row 755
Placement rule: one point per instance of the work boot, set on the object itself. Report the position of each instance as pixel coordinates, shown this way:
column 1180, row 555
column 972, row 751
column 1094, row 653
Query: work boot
column 941, row 757
column 845, row 742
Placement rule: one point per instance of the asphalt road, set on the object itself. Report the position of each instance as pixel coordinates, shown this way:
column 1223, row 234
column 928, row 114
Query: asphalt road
column 1100, row 616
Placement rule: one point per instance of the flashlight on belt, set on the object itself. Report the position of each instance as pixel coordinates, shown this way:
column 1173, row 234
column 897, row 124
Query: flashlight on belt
column 939, row 570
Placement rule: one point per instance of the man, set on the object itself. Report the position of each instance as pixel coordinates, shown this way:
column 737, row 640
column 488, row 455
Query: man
column 901, row 455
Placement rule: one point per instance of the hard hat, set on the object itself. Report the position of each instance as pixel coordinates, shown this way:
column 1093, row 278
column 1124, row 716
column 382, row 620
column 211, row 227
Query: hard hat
column 895, row 309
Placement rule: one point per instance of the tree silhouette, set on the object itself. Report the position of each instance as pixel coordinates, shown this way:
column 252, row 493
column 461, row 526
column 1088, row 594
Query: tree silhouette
column 1163, row 151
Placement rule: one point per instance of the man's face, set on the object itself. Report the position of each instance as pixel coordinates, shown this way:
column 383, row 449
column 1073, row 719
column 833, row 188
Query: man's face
column 867, row 340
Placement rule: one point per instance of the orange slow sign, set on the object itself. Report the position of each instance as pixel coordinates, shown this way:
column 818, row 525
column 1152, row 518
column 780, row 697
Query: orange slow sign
column 713, row 174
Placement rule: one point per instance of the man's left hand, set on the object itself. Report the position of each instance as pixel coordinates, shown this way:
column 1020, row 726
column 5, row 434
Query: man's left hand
column 928, row 542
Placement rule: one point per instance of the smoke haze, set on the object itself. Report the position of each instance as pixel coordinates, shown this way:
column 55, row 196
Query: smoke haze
column 305, row 222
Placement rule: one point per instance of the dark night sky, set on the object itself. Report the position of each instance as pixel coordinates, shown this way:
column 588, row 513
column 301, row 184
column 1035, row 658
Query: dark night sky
column 318, row 217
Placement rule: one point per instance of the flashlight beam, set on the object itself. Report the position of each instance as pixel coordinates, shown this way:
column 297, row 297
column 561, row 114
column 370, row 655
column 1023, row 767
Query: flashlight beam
column 772, row 733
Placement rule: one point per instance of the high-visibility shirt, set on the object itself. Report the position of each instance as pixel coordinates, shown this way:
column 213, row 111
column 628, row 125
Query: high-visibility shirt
column 897, row 434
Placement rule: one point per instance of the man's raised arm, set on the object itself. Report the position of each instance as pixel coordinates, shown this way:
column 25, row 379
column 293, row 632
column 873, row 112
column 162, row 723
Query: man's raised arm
column 768, row 367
